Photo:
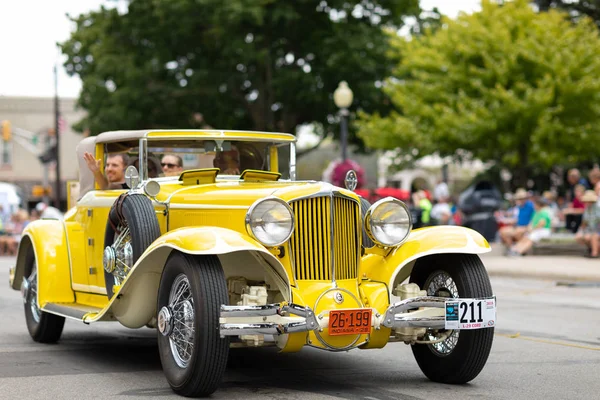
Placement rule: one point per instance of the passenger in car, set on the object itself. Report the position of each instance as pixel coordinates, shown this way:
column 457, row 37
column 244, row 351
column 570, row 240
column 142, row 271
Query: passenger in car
column 114, row 169
column 172, row 165
column 153, row 166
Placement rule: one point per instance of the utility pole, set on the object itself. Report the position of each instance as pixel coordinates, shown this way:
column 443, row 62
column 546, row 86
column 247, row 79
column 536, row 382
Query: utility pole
column 57, row 148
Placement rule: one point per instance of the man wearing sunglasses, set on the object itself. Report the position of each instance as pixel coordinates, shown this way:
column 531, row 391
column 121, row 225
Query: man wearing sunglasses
column 172, row 165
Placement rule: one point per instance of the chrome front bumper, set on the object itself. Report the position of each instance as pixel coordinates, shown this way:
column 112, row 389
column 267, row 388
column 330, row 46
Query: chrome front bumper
column 275, row 319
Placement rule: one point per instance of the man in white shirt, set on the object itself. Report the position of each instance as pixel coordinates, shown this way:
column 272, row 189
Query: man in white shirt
column 441, row 193
column 48, row 212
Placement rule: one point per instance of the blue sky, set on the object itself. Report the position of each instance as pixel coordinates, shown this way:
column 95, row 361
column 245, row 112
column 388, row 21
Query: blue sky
column 29, row 30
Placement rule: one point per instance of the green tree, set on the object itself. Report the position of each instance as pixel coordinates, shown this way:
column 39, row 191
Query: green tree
column 505, row 84
column 576, row 8
column 235, row 64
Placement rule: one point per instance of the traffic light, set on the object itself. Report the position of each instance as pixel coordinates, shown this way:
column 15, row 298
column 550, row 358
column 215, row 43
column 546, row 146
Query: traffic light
column 48, row 155
column 6, row 132
column 40, row 191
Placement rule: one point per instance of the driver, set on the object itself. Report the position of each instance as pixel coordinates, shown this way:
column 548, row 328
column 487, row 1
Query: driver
column 228, row 162
column 114, row 169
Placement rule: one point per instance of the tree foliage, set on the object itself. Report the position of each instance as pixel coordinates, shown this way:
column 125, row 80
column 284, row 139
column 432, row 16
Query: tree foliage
column 575, row 8
column 235, row 64
column 505, row 84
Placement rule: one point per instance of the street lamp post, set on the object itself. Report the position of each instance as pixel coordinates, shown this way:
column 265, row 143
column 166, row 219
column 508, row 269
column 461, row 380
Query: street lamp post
column 343, row 99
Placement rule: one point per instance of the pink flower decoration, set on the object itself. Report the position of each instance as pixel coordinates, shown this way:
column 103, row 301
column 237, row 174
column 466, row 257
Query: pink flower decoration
column 342, row 167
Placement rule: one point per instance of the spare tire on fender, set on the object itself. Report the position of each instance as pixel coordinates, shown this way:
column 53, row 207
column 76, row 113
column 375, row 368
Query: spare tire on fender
column 131, row 227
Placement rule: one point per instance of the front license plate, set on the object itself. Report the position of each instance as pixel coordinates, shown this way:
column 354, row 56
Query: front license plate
column 471, row 313
column 350, row 322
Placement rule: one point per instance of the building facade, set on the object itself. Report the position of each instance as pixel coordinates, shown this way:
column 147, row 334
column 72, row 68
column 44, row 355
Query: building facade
column 32, row 127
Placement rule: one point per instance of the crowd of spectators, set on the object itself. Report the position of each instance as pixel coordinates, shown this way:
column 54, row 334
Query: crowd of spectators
column 527, row 218
column 531, row 218
column 12, row 225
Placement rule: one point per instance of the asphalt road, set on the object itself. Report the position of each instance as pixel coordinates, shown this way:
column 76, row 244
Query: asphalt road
column 547, row 346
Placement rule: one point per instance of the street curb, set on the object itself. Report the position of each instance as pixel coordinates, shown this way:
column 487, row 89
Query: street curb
column 543, row 267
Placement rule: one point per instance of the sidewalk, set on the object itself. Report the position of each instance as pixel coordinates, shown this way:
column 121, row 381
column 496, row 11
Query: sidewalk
column 554, row 267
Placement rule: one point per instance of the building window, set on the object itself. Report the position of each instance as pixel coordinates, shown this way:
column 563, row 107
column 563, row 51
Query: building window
column 5, row 152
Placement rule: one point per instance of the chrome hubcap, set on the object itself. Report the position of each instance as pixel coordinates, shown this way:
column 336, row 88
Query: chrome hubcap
column 118, row 257
column 182, row 315
column 165, row 322
column 109, row 259
column 441, row 284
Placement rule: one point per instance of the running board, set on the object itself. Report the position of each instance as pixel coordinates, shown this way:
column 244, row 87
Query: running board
column 71, row 310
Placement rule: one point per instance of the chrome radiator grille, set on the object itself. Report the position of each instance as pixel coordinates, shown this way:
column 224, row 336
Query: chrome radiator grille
column 311, row 243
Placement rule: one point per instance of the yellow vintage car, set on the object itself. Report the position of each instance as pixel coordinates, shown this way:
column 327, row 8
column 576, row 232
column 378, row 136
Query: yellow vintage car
column 233, row 251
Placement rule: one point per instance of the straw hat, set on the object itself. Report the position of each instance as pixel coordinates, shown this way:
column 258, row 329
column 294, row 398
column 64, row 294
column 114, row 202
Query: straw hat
column 521, row 194
column 589, row 197
column 548, row 195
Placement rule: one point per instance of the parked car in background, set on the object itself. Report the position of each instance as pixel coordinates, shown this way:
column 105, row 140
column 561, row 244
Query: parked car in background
column 236, row 251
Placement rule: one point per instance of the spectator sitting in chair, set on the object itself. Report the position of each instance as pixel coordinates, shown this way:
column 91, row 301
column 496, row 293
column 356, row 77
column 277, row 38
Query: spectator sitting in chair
column 589, row 230
column 538, row 229
column 574, row 212
column 511, row 233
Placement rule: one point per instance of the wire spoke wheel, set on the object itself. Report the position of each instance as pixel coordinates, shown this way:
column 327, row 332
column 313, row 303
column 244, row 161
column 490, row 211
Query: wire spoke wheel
column 123, row 254
column 32, row 300
column 440, row 284
column 182, row 306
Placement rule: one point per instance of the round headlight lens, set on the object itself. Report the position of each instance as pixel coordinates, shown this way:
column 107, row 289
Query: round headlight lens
column 388, row 222
column 270, row 221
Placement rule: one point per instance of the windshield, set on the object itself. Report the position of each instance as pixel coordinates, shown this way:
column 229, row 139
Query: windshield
column 171, row 157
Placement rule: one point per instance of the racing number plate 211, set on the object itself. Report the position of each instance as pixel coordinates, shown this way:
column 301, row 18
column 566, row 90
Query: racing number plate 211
column 350, row 322
column 470, row 313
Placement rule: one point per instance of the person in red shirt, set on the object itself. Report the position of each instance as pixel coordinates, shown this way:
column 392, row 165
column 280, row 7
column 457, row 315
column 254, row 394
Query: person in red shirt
column 574, row 212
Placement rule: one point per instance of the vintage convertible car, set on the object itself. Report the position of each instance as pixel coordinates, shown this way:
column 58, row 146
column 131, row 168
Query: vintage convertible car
column 214, row 258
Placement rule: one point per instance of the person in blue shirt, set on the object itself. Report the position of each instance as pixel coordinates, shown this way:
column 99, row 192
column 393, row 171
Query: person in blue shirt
column 513, row 232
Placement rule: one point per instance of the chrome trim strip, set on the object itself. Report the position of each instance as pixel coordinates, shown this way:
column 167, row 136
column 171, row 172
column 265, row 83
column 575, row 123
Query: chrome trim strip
column 143, row 160
column 264, row 329
column 292, row 161
column 88, row 288
column 74, row 311
column 247, row 138
column 184, row 206
column 332, row 236
column 266, row 310
column 422, row 322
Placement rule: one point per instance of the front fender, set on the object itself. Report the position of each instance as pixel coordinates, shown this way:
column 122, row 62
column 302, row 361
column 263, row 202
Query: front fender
column 48, row 241
column 134, row 304
column 396, row 266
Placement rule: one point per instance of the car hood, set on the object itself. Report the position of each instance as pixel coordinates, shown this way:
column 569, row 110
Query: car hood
column 240, row 193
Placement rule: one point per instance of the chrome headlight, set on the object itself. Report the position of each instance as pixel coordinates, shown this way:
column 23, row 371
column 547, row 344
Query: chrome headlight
column 270, row 221
column 388, row 222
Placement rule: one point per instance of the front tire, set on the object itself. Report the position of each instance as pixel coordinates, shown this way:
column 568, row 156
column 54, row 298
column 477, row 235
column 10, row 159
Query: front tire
column 193, row 355
column 462, row 356
column 43, row 327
